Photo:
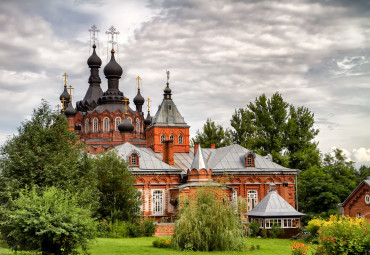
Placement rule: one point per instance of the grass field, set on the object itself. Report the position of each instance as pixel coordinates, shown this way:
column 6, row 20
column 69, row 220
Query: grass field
column 141, row 246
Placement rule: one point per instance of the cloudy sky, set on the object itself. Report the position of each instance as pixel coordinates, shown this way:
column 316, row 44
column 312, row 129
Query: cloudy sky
column 221, row 54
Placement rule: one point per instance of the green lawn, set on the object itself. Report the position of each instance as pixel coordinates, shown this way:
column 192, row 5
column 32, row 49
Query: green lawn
column 143, row 245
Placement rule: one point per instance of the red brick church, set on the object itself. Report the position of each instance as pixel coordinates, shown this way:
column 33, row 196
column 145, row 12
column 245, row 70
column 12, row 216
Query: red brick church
column 157, row 147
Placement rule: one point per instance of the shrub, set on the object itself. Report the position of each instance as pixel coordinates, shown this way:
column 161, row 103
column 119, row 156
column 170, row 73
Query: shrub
column 148, row 227
column 344, row 235
column 299, row 248
column 264, row 233
column 162, row 243
column 276, row 230
column 50, row 222
column 118, row 229
column 253, row 228
column 208, row 223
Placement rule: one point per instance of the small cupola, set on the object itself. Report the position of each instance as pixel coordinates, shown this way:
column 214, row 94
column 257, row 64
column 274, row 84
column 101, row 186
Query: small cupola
column 94, row 60
column 113, row 69
column 167, row 91
column 139, row 99
column 70, row 111
column 126, row 126
column 148, row 119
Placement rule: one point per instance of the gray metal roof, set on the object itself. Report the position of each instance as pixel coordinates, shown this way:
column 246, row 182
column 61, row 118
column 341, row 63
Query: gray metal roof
column 146, row 160
column 168, row 115
column 273, row 205
column 198, row 161
column 229, row 159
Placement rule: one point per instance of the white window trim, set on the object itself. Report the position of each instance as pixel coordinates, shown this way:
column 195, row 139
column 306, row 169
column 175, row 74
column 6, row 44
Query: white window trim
column 367, row 199
column 95, row 130
column 251, row 193
column 116, row 124
column 106, row 125
column 153, row 203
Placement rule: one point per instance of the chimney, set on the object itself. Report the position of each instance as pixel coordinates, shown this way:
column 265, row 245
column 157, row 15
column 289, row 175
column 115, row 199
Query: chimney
column 213, row 146
column 168, row 152
column 196, row 145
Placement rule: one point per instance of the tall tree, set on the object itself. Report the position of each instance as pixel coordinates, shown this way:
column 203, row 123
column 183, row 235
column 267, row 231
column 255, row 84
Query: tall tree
column 272, row 126
column 118, row 199
column 44, row 153
column 212, row 134
column 321, row 188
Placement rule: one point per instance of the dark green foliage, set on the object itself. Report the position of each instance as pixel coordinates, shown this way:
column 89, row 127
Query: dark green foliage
column 120, row 229
column 253, row 228
column 51, row 222
column 208, row 223
column 45, row 153
column 272, row 126
column 212, row 134
column 276, row 230
column 321, row 188
column 264, row 233
column 162, row 243
column 118, row 198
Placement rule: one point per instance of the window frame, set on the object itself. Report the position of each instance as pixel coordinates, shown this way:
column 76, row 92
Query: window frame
column 181, row 139
column 95, row 125
column 116, row 124
column 157, row 202
column 251, row 193
column 163, row 138
column 87, row 125
column 106, row 125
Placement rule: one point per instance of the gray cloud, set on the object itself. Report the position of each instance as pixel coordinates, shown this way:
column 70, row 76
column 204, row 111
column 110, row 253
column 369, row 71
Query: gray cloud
column 221, row 54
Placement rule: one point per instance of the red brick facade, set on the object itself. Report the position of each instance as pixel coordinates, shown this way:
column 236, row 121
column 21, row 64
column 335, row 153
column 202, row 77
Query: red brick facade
column 358, row 203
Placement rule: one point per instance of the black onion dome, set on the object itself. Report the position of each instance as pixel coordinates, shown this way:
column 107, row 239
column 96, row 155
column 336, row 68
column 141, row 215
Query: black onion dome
column 139, row 100
column 167, row 90
column 126, row 126
column 113, row 69
column 70, row 111
column 65, row 95
column 148, row 119
column 94, row 60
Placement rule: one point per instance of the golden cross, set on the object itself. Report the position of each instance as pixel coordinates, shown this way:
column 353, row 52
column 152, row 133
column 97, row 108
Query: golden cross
column 148, row 100
column 138, row 82
column 63, row 100
column 70, row 92
column 126, row 101
column 65, row 79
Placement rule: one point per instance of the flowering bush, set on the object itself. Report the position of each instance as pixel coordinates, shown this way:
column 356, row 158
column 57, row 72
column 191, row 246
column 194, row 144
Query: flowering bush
column 162, row 243
column 299, row 248
column 342, row 235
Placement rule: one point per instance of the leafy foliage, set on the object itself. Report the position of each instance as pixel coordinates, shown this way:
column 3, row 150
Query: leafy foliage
column 208, row 223
column 321, row 188
column 45, row 153
column 276, row 230
column 118, row 199
column 162, row 242
column 51, row 222
column 342, row 235
column 212, row 134
column 119, row 229
column 253, row 228
column 299, row 248
column 272, row 126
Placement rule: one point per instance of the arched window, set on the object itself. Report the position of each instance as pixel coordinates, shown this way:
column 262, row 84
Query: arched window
column 158, row 202
column 106, row 125
column 137, row 125
column 130, row 119
column 118, row 121
column 87, row 125
column 95, row 125
column 171, row 137
column 252, row 199
column 181, row 139
column 162, row 138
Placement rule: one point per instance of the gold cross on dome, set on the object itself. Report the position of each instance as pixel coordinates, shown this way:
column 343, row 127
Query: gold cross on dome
column 138, row 82
column 65, row 79
column 63, row 100
column 148, row 100
column 70, row 92
column 125, row 100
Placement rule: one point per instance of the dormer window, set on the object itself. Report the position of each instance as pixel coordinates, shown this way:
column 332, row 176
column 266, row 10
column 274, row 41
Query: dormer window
column 249, row 160
column 134, row 160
